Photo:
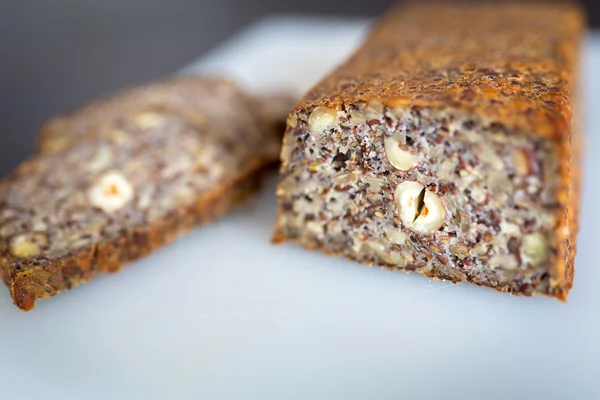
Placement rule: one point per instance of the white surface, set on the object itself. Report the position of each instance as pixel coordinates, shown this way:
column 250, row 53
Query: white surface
column 223, row 314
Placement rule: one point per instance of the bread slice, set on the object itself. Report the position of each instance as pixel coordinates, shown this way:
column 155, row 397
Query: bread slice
column 124, row 176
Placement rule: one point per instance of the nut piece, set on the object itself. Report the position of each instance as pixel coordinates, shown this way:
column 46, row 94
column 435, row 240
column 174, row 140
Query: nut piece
column 315, row 227
column 321, row 119
column 111, row 192
column 292, row 120
column 400, row 159
column 460, row 251
column 396, row 236
column 420, row 210
column 504, row 261
column 478, row 195
column 344, row 180
column 148, row 120
column 286, row 150
column 534, row 248
column 374, row 184
column 509, row 228
column 377, row 247
column 357, row 117
column 28, row 244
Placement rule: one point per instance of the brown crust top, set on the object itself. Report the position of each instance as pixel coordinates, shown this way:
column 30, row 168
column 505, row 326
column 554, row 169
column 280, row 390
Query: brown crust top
column 513, row 63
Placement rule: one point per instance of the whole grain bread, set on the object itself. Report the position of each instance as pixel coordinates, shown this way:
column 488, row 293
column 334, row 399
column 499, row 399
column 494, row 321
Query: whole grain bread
column 124, row 176
column 447, row 145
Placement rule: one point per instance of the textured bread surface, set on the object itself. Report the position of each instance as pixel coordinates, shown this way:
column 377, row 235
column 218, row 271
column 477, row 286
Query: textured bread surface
column 126, row 175
column 446, row 145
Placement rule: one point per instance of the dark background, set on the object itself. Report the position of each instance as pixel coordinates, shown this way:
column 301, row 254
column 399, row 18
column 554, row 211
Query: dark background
column 57, row 54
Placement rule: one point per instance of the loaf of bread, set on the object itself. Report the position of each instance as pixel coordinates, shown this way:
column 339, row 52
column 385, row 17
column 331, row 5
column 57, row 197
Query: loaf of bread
column 117, row 179
column 446, row 145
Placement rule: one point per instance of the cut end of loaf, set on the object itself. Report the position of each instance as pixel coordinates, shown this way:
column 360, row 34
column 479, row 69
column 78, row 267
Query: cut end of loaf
column 436, row 191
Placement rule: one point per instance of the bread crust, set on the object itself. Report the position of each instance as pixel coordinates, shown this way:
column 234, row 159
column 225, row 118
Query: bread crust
column 483, row 67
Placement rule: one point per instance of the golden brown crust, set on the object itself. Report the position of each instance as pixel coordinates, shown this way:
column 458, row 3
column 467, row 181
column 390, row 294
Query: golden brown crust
column 567, row 232
column 521, row 77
